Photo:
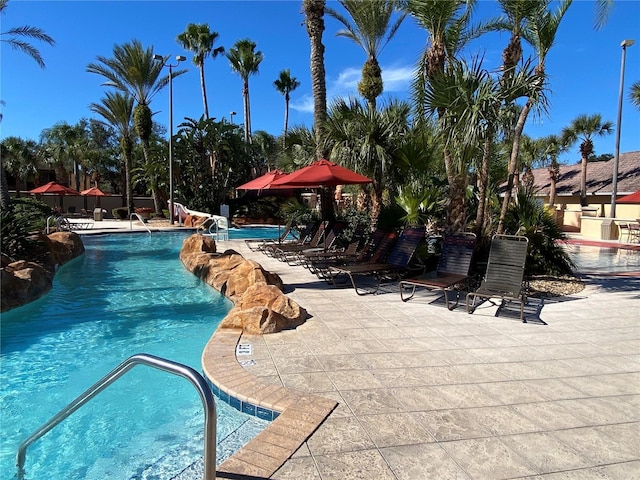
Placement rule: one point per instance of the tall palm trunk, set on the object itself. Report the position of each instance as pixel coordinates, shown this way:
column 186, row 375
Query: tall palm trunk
column 5, row 198
column 204, row 92
column 247, row 120
column 553, row 179
column 513, row 162
column 314, row 12
column 483, row 180
column 456, row 210
column 286, row 120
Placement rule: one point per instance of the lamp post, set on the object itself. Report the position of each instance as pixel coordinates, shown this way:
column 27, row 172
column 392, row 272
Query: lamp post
column 616, row 158
column 231, row 114
column 179, row 58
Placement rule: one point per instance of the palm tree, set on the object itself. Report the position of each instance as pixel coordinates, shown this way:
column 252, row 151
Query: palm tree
column 447, row 23
column 371, row 30
column 552, row 146
column 314, row 22
column 634, row 94
column 366, row 139
column 198, row 39
column 19, row 157
column 584, row 128
column 286, row 84
column 245, row 61
column 16, row 37
column 66, row 146
column 134, row 70
column 541, row 30
column 117, row 110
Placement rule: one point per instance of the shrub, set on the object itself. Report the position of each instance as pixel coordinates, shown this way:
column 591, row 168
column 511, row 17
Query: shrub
column 530, row 218
column 24, row 217
column 121, row 213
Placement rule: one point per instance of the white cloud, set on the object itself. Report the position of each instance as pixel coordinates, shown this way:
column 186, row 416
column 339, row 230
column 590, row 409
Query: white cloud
column 396, row 79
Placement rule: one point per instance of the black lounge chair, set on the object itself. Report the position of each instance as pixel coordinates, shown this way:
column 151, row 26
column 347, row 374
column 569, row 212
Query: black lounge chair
column 304, row 236
column 505, row 273
column 394, row 265
column 259, row 244
column 453, row 268
column 289, row 253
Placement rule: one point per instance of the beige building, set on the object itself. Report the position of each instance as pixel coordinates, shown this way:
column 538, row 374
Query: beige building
column 593, row 220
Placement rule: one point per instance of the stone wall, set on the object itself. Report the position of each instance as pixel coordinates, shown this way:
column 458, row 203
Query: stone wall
column 24, row 281
column 259, row 304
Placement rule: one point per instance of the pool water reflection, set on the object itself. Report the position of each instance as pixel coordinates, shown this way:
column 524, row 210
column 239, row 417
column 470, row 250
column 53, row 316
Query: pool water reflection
column 592, row 259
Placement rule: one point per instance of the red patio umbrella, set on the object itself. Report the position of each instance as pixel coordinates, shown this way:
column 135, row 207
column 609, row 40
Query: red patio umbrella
column 94, row 192
column 263, row 182
column 631, row 198
column 54, row 188
column 321, row 173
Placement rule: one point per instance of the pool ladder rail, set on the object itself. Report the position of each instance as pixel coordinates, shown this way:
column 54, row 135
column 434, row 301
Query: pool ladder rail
column 144, row 224
column 159, row 363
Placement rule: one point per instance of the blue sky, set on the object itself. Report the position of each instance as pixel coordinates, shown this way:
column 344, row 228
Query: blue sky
column 583, row 66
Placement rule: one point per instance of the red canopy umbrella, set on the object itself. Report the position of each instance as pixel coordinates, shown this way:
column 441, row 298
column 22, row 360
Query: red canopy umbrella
column 321, row 173
column 54, row 188
column 93, row 192
column 264, row 182
column 631, row 198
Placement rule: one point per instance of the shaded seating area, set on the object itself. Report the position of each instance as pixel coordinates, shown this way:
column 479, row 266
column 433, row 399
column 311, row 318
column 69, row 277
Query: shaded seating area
column 394, row 265
column 289, row 253
column 304, row 235
column 259, row 244
column 453, row 269
column 505, row 273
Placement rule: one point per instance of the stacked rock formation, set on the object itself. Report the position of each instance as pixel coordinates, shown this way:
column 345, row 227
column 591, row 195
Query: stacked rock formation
column 24, row 281
column 259, row 304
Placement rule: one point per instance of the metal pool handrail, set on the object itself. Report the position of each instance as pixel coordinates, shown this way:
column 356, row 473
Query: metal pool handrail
column 141, row 221
column 151, row 361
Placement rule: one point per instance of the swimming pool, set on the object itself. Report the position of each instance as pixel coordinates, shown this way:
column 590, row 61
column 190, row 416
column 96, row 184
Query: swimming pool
column 601, row 260
column 128, row 294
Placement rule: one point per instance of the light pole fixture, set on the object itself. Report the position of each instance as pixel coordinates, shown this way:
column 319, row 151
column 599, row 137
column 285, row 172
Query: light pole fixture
column 231, row 114
column 616, row 157
column 179, row 58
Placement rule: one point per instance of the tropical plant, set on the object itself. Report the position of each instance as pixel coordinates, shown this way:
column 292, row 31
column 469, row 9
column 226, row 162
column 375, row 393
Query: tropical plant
column 65, row 146
column 26, row 216
column 372, row 30
column 15, row 38
column 134, row 70
column 20, row 158
column 286, row 84
column 117, row 110
column 365, row 140
column 583, row 129
column 634, row 94
column 197, row 38
column 551, row 148
column 245, row 61
column 540, row 31
column 314, row 22
column 546, row 254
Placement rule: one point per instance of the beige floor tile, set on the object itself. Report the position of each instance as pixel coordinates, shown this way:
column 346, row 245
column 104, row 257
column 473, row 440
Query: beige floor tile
column 447, row 425
column 487, row 458
column 360, row 465
column 371, row 401
column 418, row 462
column 596, row 444
column 337, row 434
column 388, row 429
column 501, row 420
column 353, row 380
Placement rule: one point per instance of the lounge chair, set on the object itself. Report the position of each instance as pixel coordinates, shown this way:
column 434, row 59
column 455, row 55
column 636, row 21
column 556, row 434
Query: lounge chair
column 505, row 273
column 376, row 246
column 394, row 265
column 334, row 253
column 258, row 244
column 303, row 237
column 284, row 253
column 453, row 268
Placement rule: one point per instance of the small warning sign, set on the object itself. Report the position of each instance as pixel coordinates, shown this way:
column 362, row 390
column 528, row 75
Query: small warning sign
column 244, row 349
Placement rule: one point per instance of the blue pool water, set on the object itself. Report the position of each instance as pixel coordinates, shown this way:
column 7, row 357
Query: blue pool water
column 604, row 260
column 128, row 294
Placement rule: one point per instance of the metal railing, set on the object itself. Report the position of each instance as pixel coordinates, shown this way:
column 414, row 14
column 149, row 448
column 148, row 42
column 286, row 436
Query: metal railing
column 151, row 361
column 141, row 221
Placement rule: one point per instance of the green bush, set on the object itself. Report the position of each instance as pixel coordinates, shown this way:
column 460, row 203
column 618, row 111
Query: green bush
column 530, row 218
column 121, row 213
column 24, row 217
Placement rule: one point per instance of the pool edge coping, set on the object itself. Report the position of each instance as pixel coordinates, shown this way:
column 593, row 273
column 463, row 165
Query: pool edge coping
column 300, row 413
